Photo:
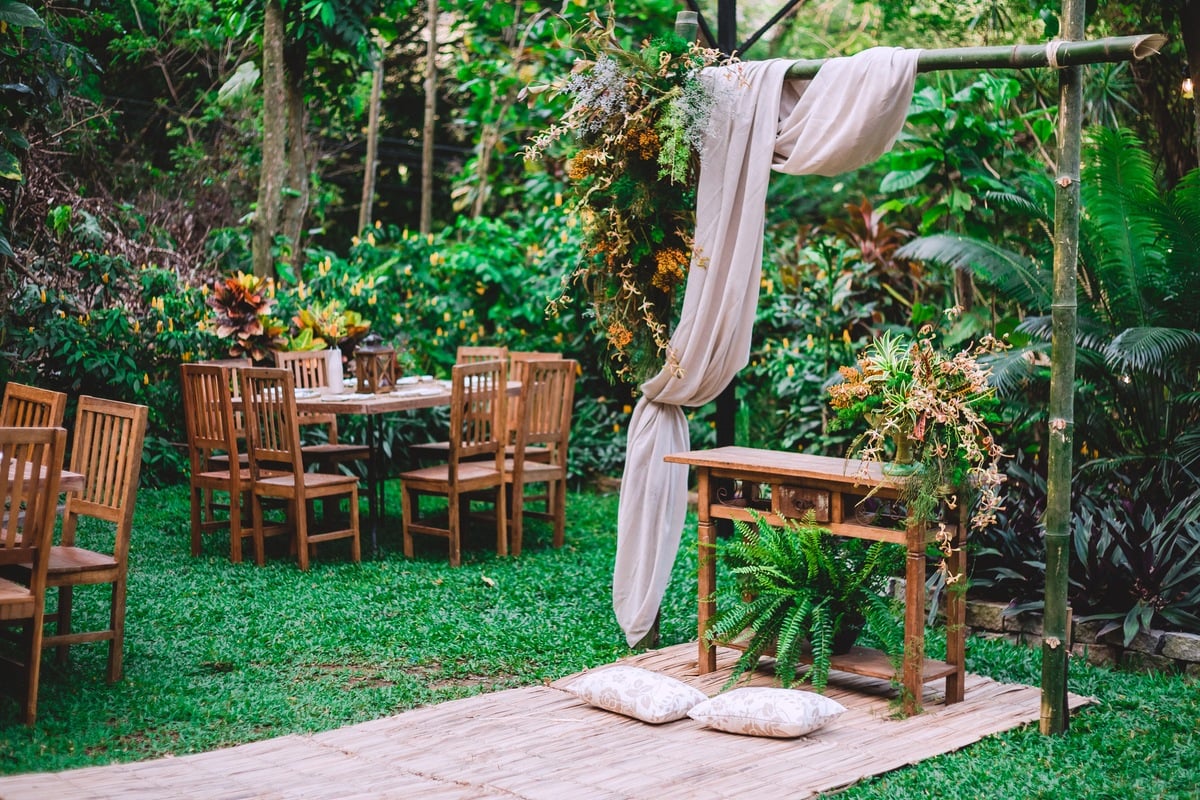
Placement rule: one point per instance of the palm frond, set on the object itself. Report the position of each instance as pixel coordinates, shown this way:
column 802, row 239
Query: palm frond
column 1015, row 367
column 1154, row 349
column 1119, row 193
column 1023, row 279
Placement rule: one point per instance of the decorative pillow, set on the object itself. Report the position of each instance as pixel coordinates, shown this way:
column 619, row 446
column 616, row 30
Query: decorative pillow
column 763, row 711
column 636, row 692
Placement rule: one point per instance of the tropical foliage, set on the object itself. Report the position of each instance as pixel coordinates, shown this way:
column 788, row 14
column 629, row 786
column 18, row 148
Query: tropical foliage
column 937, row 403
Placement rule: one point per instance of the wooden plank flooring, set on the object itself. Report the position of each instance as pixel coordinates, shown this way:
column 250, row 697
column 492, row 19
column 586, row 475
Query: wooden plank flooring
column 540, row 742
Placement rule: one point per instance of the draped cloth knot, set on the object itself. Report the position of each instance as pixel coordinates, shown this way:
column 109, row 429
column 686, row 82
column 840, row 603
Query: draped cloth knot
column 848, row 115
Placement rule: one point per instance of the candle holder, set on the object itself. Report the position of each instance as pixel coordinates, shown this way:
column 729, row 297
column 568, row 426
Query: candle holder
column 375, row 366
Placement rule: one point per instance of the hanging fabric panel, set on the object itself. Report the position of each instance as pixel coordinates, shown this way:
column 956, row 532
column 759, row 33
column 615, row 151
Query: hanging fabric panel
column 845, row 117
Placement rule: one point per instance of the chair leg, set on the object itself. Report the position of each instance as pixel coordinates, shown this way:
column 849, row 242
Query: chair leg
column 454, row 525
column 300, row 521
column 197, row 519
column 33, row 665
column 556, row 491
column 116, row 645
column 516, row 523
column 408, row 512
column 66, row 594
column 355, row 542
column 235, row 526
column 502, row 520
column 256, row 512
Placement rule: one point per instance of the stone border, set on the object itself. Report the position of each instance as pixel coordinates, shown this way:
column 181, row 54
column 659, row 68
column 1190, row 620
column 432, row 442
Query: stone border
column 1156, row 651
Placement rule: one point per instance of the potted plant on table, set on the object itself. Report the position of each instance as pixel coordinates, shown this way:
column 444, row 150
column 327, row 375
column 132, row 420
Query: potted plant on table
column 804, row 592
column 933, row 407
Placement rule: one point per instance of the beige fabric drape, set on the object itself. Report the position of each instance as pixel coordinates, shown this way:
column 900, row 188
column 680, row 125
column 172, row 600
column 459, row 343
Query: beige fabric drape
column 847, row 116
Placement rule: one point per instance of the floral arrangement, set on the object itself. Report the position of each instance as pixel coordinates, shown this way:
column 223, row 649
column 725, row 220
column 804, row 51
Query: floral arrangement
column 330, row 324
column 638, row 118
column 936, row 403
column 242, row 306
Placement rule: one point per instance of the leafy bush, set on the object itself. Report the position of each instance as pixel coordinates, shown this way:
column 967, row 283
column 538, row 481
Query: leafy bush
column 100, row 327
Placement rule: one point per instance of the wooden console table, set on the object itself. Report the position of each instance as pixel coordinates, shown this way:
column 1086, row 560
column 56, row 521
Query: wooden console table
column 733, row 481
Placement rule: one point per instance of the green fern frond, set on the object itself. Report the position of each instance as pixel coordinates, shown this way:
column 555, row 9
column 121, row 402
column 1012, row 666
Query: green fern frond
column 821, row 641
column 787, row 648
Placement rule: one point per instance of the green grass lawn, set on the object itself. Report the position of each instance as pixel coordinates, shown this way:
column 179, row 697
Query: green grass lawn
column 218, row 654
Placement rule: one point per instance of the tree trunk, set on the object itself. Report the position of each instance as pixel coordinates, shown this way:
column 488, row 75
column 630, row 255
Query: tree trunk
column 274, row 142
column 1056, row 641
column 430, row 117
column 371, row 167
column 299, row 163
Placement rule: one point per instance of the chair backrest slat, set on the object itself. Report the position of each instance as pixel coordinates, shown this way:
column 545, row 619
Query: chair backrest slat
column 31, row 462
column 478, row 412
column 310, row 370
column 469, row 354
column 547, row 404
column 208, row 413
column 273, row 433
column 518, row 361
column 108, row 452
column 30, row 407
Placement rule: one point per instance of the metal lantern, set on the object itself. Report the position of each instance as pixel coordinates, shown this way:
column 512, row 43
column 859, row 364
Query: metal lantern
column 375, row 366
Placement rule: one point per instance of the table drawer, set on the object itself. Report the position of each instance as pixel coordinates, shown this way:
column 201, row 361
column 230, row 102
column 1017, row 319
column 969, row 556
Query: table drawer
column 794, row 502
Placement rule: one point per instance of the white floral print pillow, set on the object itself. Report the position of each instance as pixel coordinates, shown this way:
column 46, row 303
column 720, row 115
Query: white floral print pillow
column 636, row 692
column 763, row 711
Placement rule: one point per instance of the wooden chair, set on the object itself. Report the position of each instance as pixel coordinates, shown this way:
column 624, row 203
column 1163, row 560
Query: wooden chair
column 468, row 354
column 477, row 419
column 30, row 465
column 544, row 421
column 211, row 437
column 30, row 407
column 107, row 451
column 518, row 361
column 277, row 467
column 440, row 451
column 310, row 370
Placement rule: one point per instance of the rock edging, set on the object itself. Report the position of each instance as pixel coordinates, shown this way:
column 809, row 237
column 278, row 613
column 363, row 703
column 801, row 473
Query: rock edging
column 1153, row 651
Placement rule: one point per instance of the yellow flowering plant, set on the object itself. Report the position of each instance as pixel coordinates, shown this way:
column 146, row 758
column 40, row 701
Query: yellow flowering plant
column 637, row 118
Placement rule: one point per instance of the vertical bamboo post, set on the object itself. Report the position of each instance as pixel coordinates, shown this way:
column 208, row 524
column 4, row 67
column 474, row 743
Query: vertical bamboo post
column 371, row 168
column 430, row 118
column 1055, row 643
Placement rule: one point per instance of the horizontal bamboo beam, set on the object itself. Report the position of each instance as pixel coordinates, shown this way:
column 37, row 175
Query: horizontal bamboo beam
column 1022, row 56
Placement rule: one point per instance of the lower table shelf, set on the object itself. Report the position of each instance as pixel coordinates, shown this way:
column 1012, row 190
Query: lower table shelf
column 865, row 661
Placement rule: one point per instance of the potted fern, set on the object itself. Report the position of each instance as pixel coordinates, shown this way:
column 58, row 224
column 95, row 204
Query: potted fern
column 804, row 592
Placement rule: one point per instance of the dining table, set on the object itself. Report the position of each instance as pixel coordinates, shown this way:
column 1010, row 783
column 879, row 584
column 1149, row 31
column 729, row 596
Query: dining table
column 409, row 394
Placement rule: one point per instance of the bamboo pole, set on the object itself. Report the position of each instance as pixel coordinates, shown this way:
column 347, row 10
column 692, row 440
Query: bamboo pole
column 1055, row 636
column 430, row 120
column 371, row 167
column 1022, row 56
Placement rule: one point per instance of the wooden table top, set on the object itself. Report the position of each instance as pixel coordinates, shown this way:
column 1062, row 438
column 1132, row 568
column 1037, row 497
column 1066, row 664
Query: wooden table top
column 783, row 463
column 425, row 394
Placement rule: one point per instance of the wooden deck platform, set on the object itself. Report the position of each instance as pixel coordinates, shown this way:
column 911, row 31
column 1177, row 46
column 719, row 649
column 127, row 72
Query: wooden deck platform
column 540, row 742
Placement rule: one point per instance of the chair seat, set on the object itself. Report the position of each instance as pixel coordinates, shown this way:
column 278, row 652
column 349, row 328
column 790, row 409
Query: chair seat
column 74, row 560
column 223, row 476
column 442, row 450
column 469, row 472
column 16, row 601
column 534, row 472
column 222, row 462
column 335, row 452
column 315, row 484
